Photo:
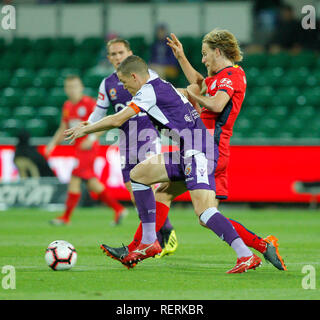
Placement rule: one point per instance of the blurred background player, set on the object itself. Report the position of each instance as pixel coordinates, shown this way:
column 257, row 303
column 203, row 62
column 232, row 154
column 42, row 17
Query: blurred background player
column 76, row 109
column 112, row 94
column 161, row 58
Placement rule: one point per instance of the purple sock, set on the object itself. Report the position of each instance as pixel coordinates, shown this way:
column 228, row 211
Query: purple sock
column 167, row 225
column 146, row 205
column 219, row 224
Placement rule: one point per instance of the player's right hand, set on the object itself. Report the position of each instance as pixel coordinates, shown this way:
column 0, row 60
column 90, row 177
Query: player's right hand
column 176, row 46
column 76, row 132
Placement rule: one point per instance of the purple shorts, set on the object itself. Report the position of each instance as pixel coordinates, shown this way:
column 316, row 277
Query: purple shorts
column 197, row 171
column 129, row 159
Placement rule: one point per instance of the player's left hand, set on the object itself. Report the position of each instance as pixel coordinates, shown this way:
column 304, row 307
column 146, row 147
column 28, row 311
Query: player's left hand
column 76, row 132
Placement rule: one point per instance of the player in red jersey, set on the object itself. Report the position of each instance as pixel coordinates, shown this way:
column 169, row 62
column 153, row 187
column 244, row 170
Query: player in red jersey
column 76, row 109
column 224, row 90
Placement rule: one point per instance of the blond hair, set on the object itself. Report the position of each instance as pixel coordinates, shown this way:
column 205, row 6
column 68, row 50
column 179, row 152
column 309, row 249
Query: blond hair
column 118, row 40
column 226, row 42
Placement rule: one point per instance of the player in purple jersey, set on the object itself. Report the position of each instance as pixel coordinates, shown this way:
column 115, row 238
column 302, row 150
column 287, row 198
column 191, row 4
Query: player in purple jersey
column 170, row 110
column 138, row 140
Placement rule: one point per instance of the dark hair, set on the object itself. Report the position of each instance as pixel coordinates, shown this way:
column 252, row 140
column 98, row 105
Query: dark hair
column 133, row 64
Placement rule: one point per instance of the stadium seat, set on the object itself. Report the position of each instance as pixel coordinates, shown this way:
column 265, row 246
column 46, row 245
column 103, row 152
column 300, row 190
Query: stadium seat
column 24, row 113
column 294, row 125
column 257, row 134
column 311, row 96
column 3, row 45
column 284, row 134
column 313, row 79
column 58, row 60
column 5, row 112
column 64, row 44
column 243, row 125
column 92, row 92
column 10, row 61
column 56, row 97
column 272, row 76
column 83, row 60
column 34, row 97
column 294, row 77
column 281, row 60
column 22, row 78
column 91, row 44
column 49, row 113
column 12, row 126
column 139, row 46
column 195, row 56
column 278, row 112
column 269, row 126
column 46, row 78
column 5, row 78
column 52, row 116
column 188, row 43
column 287, row 97
column 254, row 60
column 92, row 80
column 252, row 74
column 20, row 44
column 303, row 59
column 11, row 97
column 252, row 113
column 44, row 45
column 305, row 113
column 32, row 60
column 260, row 96
column 36, row 127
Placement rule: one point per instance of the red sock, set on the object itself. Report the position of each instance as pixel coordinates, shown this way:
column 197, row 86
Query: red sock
column 248, row 237
column 71, row 203
column 161, row 215
column 105, row 197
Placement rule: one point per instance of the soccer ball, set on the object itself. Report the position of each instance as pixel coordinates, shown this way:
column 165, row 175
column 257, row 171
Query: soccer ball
column 61, row 255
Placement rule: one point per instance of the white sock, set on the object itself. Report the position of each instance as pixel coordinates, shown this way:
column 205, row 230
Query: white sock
column 240, row 248
column 149, row 234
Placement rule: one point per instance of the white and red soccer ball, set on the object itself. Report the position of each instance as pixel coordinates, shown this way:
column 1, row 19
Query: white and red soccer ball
column 61, row 255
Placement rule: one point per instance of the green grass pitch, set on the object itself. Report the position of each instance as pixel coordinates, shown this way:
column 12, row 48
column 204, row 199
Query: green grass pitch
column 195, row 271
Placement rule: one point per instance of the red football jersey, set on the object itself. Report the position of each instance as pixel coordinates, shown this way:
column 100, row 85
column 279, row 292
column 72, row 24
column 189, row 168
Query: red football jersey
column 232, row 80
column 72, row 113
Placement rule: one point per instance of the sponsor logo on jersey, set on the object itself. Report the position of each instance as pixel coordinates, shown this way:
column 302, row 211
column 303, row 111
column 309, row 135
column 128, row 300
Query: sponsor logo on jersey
column 113, row 93
column 188, row 169
column 187, row 118
column 226, row 81
column 101, row 96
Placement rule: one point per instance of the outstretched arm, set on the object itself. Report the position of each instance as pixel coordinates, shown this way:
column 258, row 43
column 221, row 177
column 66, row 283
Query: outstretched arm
column 191, row 74
column 106, row 123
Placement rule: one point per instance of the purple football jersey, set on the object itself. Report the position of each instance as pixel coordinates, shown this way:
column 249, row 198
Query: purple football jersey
column 137, row 136
column 171, row 112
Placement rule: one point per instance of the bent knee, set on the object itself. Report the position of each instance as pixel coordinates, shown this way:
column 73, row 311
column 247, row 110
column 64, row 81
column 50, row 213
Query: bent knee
column 134, row 174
